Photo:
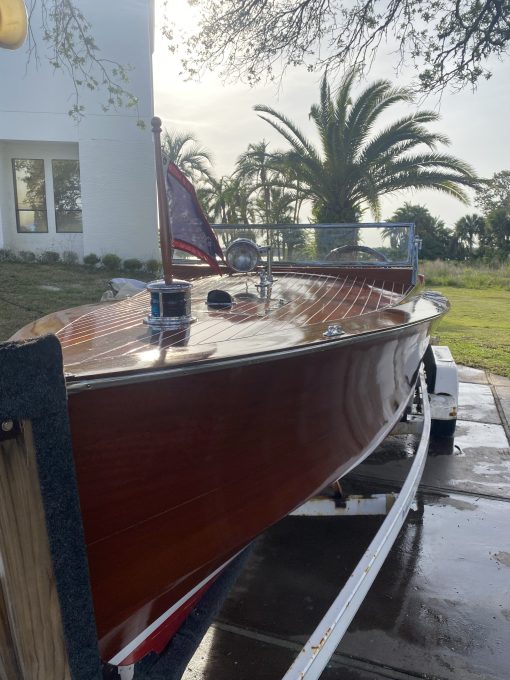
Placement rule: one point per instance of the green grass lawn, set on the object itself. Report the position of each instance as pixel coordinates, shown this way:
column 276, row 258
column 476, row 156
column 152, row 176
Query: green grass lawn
column 477, row 329
column 29, row 291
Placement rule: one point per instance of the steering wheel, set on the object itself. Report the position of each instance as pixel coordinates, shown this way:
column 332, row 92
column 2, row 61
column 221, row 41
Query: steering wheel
column 336, row 252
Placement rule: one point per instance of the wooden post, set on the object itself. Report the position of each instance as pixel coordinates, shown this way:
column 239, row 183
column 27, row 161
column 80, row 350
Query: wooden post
column 165, row 227
column 32, row 643
column 8, row 663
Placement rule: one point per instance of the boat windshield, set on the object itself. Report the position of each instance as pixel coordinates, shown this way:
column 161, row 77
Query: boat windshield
column 381, row 244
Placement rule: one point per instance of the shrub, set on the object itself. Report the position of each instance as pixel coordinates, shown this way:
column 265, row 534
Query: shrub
column 153, row 267
column 6, row 255
column 132, row 265
column 69, row 257
column 111, row 261
column 91, row 260
column 49, row 257
column 26, row 256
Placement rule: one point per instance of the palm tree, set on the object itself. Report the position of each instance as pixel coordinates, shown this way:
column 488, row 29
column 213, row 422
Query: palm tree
column 264, row 173
column 226, row 200
column 291, row 178
column 183, row 149
column 276, row 207
column 435, row 237
column 398, row 238
column 254, row 167
column 356, row 163
column 467, row 229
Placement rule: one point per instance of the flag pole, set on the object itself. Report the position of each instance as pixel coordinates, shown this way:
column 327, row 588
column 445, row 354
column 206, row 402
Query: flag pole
column 165, row 228
column 170, row 301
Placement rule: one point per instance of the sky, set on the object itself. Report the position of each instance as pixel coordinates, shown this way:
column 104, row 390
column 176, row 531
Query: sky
column 221, row 115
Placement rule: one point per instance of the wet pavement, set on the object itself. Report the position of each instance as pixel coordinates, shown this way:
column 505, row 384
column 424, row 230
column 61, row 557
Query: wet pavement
column 439, row 608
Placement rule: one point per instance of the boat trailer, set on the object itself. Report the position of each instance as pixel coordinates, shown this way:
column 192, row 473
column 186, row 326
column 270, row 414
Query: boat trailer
column 435, row 402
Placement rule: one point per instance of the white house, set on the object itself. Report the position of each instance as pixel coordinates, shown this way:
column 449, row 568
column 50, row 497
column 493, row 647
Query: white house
column 86, row 187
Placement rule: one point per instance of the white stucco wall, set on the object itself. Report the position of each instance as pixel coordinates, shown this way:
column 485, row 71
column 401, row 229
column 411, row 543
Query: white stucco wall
column 118, row 191
column 116, row 156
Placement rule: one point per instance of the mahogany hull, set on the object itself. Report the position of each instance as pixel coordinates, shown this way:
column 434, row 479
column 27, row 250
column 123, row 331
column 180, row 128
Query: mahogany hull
column 177, row 473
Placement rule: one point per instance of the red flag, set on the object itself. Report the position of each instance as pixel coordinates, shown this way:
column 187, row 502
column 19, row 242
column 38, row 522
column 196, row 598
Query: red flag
column 191, row 231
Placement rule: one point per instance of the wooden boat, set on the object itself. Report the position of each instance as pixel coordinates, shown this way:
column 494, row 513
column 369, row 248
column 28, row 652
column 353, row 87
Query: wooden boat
column 192, row 438
column 185, row 452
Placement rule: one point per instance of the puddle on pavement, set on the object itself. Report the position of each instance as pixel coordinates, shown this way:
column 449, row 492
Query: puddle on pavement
column 476, row 403
column 480, row 435
column 494, row 469
column 502, row 557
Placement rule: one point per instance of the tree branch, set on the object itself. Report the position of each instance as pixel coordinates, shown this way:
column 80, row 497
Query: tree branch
column 448, row 41
column 73, row 49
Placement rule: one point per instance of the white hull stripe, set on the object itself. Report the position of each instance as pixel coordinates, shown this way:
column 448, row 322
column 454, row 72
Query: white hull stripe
column 141, row 637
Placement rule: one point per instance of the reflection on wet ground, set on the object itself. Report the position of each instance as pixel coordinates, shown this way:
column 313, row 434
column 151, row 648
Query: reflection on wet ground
column 439, row 608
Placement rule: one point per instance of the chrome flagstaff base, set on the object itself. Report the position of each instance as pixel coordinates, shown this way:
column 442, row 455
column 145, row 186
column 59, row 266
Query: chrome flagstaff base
column 170, row 304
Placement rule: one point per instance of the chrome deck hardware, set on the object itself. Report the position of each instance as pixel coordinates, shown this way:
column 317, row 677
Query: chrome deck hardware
column 170, row 304
column 265, row 285
column 333, row 331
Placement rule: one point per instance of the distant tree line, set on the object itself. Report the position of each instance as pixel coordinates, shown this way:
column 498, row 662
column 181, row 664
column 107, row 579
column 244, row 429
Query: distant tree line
column 475, row 236
column 481, row 236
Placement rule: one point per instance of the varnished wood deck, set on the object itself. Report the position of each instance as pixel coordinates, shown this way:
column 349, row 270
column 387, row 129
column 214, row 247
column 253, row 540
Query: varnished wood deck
column 112, row 336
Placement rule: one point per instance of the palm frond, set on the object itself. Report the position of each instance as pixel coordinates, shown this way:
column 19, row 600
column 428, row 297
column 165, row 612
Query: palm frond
column 183, row 149
column 409, row 129
column 343, row 98
column 448, row 183
column 370, row 105
column 293, row 135
column 435, row 161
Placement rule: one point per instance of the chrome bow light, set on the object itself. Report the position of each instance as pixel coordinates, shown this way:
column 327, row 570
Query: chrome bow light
column 243, row 255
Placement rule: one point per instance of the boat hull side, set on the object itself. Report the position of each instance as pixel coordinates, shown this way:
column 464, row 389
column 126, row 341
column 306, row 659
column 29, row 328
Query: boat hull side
column 178, row 474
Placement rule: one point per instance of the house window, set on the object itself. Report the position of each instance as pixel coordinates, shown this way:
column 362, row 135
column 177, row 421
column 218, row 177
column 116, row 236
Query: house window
column 30, row 192
column 67, row 194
